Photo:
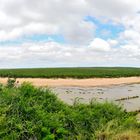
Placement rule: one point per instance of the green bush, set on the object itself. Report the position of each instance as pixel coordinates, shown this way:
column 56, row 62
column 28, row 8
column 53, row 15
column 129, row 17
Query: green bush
column 30, row 113
column 11, row 82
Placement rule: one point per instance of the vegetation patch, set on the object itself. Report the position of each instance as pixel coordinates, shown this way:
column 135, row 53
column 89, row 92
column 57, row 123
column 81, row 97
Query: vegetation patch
column 30, row 113
column 102, row 72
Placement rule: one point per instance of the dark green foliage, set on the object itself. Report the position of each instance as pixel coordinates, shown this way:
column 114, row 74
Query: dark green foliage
column 30, row 113
column 71, row 72
column 11, row 82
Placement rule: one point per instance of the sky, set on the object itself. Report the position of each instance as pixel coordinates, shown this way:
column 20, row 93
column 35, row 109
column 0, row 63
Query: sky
column 69, row 33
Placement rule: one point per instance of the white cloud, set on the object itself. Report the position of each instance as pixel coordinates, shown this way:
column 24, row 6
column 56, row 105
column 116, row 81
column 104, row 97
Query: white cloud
column 112, row 42
column 23, row 17
column 131, row 50
column 99, row 45
column 52, row 54
column 61, row 13
column 63, row 17
column 28, row 17
column 80, row 33
column 131, row 35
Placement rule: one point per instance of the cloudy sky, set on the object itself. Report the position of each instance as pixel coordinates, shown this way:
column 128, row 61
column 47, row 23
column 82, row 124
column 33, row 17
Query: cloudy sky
column 62, row 33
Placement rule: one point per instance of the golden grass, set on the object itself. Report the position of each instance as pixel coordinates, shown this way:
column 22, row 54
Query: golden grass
column 127, row 135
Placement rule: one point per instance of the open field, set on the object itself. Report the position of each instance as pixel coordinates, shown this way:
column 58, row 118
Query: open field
column 96, row 72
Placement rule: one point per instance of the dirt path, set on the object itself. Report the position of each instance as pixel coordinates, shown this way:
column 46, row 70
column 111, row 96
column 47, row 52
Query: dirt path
column 77, row 82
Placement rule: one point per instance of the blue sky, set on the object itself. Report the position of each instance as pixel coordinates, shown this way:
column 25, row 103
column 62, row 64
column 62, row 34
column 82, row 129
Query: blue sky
column 34, row 38
column 106, row 29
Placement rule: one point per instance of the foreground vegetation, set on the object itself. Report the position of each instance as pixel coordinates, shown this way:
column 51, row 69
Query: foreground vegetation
column 71, row 72
column 30, row 113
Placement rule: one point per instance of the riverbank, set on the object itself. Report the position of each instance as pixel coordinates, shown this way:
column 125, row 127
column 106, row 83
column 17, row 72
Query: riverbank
column 92, row 82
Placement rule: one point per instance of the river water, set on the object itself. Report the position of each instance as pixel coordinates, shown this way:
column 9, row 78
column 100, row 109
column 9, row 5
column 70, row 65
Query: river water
column 109, row 93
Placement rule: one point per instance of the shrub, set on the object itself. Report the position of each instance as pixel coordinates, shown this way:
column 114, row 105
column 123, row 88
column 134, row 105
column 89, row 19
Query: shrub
column 11, row 82
column 30, row 113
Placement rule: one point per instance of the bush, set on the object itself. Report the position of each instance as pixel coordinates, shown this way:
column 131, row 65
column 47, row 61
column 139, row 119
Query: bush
column 30, row 113
column 11, row 82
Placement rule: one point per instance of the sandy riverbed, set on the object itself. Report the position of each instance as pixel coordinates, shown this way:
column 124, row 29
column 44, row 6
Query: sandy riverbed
column 92, row 82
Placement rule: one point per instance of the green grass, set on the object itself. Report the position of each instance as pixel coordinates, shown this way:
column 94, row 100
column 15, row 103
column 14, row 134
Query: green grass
column 71, row 72
column 30, row 113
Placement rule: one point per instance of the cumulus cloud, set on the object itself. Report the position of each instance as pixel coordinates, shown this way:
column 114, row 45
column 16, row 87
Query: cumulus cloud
column 52, row 16
column 82, row 46
column 112, row 42
column 53, row 54
column 99, row 45
column 25, row 17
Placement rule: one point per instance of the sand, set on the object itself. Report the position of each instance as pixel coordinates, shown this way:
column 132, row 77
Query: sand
column 92, row 82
